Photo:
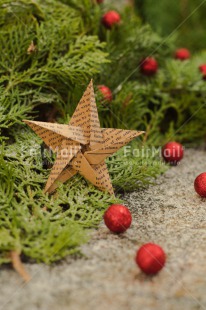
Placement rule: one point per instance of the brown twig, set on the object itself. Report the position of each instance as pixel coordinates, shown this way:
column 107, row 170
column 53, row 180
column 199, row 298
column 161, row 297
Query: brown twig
column 130, row 2
column 146, row 133
column 18, row 266
column 127, row 101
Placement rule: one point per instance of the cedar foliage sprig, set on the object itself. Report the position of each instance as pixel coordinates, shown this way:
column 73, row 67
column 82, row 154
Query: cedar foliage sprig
column 64, row 55
column 45, row 228
column 67, row 53
column 34, row 224
column 168, row 106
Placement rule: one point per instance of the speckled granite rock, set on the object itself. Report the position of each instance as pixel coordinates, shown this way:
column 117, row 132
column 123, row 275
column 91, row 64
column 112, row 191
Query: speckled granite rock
column 168, row 213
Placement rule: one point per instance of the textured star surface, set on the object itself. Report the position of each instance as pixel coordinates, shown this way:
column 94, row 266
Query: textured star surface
column 82, row 146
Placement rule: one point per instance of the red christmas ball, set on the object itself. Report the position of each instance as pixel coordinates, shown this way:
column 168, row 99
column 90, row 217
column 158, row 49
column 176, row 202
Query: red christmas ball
column 117, row 218
column 106, row 92
column 110, row 19
column 202, row 69
column 200, row 184
column 173, row 152
column 150, row 258
column 149, row 66
column 182, row 54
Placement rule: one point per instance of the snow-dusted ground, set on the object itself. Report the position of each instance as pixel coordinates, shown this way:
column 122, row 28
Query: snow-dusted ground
column 168, row 213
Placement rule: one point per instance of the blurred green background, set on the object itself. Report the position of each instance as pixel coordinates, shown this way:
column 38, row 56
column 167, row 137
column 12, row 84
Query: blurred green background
column 189, row 16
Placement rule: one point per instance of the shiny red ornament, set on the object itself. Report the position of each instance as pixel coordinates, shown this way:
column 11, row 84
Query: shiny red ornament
column 149, row 66
column 150, row 258
column 200, row 184
column 117, row 218
column 202, row 69
column 182, row 54
column 110, row 19
column 173, row 152
column 106, row 92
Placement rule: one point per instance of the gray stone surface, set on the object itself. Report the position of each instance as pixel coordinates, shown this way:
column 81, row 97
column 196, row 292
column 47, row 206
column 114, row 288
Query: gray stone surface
column 168, row 213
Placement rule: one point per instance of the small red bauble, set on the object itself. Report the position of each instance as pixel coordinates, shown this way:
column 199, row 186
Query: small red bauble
column 106, row 92
column 200, row 184
column 150, row 258
column 202, row 69
column 117, row 218
column 149, row 66
column 110, row 19
column 173, row 152
column 182, row 54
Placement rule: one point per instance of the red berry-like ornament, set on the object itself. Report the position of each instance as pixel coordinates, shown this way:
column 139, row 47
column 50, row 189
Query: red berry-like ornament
column 110, row 19
column 200, row 184
column 106, row 92
column 202, row 69
column 182, row 54
column 117, row 218
column 150, row 258
column 149, row 66
column 172, row 152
